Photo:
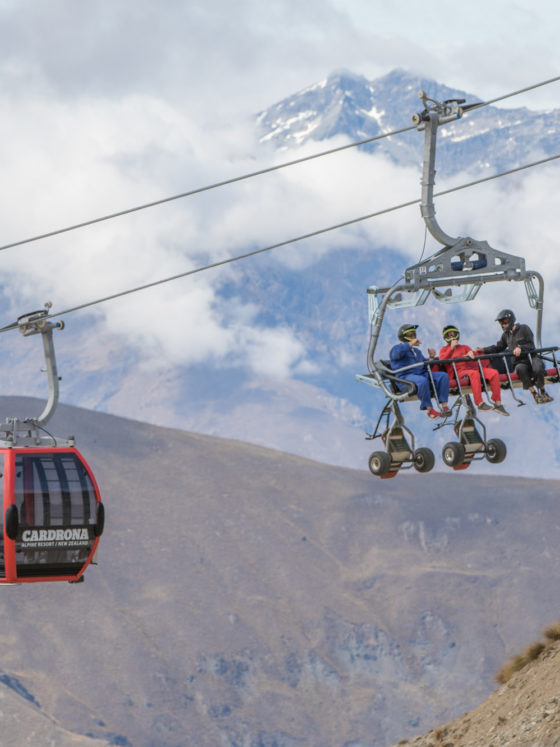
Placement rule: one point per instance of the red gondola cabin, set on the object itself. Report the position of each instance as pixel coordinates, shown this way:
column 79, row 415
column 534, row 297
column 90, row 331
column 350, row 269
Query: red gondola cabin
column 52, row 515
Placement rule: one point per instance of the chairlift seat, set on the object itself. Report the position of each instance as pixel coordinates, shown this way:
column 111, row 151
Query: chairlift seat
column 551, row 377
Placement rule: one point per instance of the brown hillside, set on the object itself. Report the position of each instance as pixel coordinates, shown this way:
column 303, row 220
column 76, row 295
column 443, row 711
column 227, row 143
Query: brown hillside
column 525, row 712
column 246, row 597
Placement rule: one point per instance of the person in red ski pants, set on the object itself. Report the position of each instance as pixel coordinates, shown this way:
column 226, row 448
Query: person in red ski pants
column 470, row 370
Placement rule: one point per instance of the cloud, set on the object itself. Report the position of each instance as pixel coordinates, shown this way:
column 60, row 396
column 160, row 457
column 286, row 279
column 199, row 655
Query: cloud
column 214, row 59
column 484, row 49
column 97, row 156
column 219, row 61
column 105, row 113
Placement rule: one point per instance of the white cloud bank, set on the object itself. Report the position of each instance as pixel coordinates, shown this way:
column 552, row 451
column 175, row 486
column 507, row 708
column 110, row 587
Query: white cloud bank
column 99, row 156
column 111, row 104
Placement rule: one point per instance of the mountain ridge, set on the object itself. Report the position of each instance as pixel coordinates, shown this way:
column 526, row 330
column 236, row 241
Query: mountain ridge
column 349, row 105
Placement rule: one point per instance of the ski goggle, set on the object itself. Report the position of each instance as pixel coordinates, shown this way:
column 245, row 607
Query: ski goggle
column 451, row 334
column 409, row 334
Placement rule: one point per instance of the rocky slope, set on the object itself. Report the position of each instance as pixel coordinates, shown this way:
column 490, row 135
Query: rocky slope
column 525, row 712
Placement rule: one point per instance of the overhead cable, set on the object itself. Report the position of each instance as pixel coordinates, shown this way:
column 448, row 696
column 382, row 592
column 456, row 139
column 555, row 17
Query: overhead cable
column 262, row 250
column 513, row 93
column 198, row 190
column 250, row 175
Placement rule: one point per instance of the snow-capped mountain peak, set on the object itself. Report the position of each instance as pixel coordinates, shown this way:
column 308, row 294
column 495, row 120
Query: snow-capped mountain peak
column 345, row 104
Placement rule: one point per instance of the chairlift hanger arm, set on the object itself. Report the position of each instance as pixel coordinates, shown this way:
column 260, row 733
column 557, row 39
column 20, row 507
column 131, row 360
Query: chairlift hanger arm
column 434, row 115
column 37, row 322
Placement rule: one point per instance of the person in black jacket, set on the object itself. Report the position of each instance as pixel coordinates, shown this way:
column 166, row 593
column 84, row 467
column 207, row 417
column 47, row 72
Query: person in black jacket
column 519, row 340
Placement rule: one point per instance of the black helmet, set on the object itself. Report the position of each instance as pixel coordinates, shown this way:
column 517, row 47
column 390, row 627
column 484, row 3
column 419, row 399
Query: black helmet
column 506, row 315
column 450, row 328
column 405, row 330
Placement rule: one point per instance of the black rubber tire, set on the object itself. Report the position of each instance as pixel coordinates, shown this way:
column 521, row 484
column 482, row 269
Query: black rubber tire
column 453, row 454
column 496, row 450
column 424, row 459
column 379, row 463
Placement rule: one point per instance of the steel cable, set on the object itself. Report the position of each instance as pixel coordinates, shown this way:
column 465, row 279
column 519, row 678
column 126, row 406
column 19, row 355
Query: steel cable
column 262, row 250
column 260, row 172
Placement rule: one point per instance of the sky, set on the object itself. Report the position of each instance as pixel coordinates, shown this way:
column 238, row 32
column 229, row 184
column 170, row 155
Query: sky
column 486, row 48
column 218, row 60
column 110, row 104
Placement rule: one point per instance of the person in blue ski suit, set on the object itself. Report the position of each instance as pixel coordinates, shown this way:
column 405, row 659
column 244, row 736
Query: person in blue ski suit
column 406, row 353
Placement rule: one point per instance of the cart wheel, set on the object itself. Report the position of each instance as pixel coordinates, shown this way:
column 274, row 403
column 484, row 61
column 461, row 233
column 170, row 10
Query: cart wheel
column 424, row 459
column 453, row 453
column 380, row 463
column 496, row 450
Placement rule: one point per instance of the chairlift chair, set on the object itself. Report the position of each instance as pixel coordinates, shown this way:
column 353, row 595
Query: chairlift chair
column 453, row 274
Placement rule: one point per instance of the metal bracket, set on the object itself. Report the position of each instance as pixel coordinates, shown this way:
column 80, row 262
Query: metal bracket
column 446, row 111
column 27, row 433
column 466, row 261
column 36, row 322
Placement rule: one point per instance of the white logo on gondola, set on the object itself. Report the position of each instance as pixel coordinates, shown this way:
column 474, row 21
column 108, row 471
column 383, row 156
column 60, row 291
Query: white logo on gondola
column 35, row 538
column 50, row 535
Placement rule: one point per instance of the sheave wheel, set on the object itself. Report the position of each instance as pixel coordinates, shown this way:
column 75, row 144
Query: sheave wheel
column 380, row 463
column 453, row 453
column 424, row 459
column 496, row 450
